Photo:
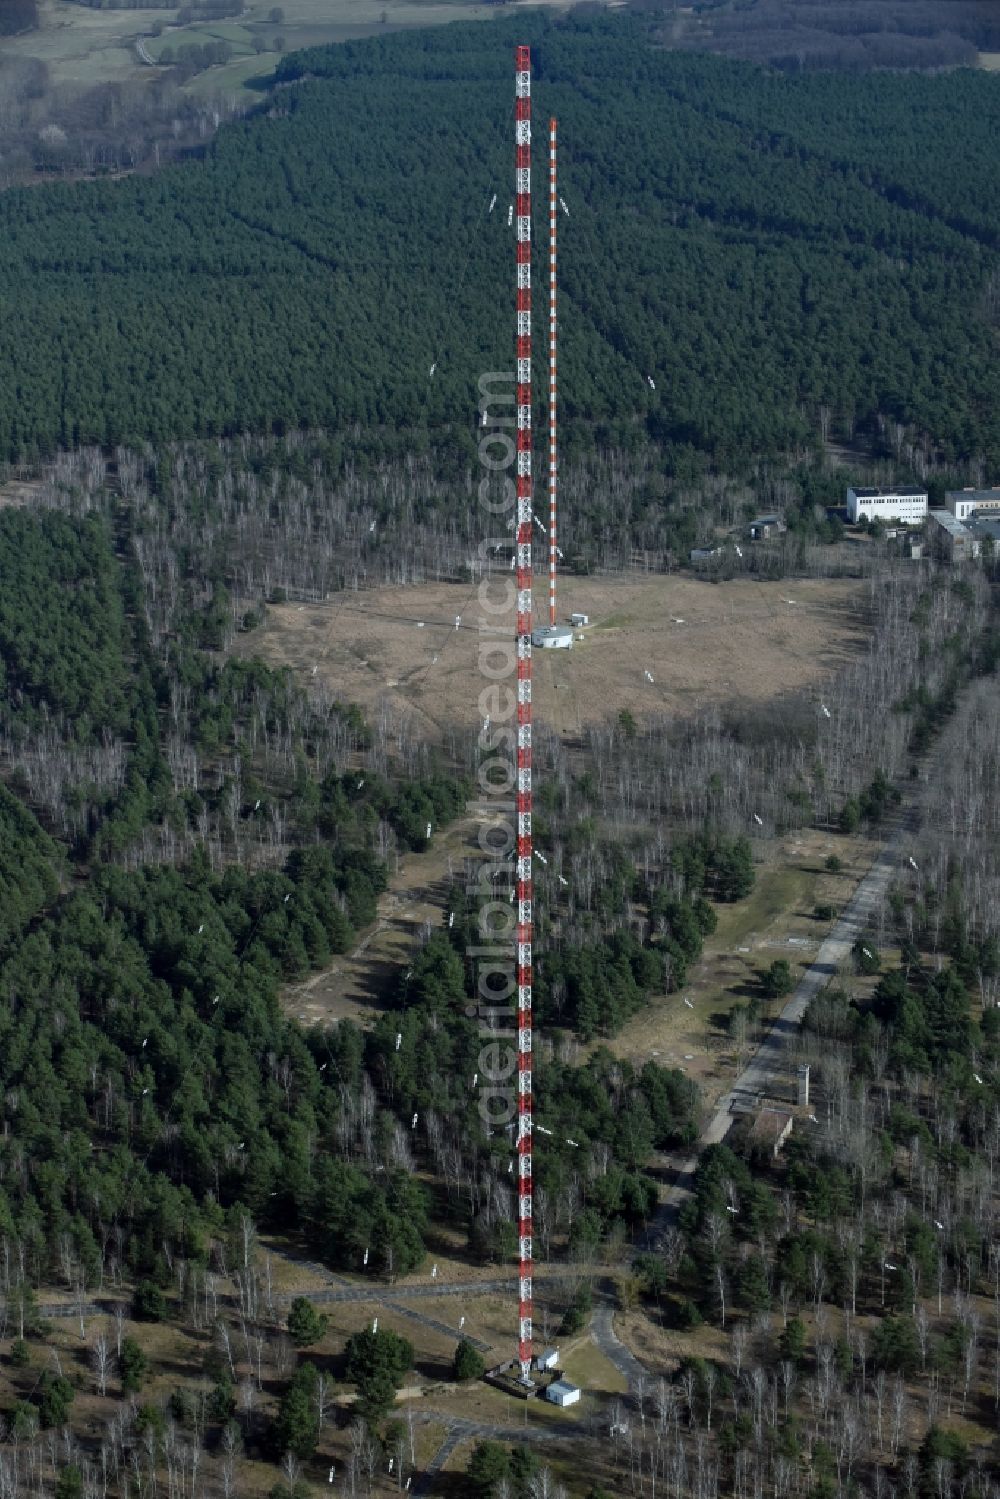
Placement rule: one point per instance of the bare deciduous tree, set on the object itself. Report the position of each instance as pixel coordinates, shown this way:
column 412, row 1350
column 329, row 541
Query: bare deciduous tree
column 100, row 1358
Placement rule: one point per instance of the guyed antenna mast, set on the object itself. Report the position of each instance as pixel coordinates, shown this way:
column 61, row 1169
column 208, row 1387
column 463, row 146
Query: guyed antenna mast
column 523, row 892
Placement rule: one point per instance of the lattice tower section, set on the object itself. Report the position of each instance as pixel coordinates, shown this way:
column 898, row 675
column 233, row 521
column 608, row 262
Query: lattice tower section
column 523, row 893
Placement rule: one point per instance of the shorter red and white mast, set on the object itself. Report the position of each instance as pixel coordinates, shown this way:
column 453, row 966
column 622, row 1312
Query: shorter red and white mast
column 553, row 206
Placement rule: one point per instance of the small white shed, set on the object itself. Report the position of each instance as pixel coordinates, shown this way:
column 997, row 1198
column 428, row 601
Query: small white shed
column 548, row 1359
column 579, row 619
column 561, row 1392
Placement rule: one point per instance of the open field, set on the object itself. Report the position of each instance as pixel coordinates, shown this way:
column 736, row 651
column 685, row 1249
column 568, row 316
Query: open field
column 739, row 642
column 242, row 75
column 84, row 46
column 87, row 47
column 583, row 1363
column 702, row 643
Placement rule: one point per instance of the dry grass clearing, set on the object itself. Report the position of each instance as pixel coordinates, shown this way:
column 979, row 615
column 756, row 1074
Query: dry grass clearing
column 433, row 1350
column 287, row 1274
column 661, row 1348
column 738, row 642
column 702, row 643
column 17, row 493
column 585, row 1365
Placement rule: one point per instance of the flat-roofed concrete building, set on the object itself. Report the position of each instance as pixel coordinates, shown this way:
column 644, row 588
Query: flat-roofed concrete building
column 552, row 638
column 764, row 526
column 966, row 502
column 985, row 530
column 951, row 538
column 770, row 1129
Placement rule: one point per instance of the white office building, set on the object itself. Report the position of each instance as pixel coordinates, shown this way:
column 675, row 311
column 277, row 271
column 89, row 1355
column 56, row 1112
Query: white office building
column 907, row 507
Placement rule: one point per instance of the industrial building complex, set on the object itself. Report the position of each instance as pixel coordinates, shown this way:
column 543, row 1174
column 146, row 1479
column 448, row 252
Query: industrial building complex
column 964, row 540
column 966, row 527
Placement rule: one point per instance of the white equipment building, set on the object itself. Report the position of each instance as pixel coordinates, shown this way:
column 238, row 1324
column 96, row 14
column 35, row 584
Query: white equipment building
column 548, row 1360
column 561, row 1392
column 908, row 507
column 552, row 638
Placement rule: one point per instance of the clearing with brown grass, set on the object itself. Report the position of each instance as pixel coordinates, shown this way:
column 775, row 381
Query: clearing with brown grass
column 702, row 643
column 738, row 642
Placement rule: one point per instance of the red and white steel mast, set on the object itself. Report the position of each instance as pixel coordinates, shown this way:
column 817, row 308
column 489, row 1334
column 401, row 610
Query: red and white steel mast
column 553, row 205
column 522, row 218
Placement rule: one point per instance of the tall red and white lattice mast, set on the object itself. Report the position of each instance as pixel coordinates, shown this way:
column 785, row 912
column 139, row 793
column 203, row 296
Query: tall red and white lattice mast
column 522, row 128
column 553, row 205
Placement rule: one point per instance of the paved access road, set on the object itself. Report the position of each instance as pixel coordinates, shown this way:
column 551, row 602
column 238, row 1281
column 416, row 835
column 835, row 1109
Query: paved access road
column 770, row 1064
column 602, row 1330
column 460, row 1430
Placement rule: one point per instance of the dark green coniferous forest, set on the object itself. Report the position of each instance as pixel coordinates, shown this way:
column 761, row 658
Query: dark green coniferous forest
column 761, row 246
